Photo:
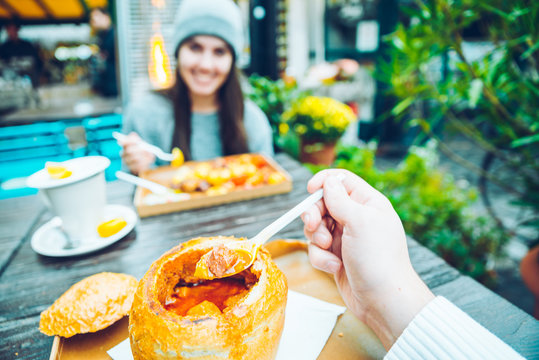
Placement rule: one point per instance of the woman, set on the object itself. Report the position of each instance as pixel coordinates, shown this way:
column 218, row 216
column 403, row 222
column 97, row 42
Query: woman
column 203, row 113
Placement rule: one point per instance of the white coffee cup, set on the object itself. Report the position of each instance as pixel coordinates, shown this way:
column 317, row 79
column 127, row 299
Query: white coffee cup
column 79, row 199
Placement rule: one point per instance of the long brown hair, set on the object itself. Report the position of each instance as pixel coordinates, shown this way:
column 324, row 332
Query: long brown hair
column 231, row 106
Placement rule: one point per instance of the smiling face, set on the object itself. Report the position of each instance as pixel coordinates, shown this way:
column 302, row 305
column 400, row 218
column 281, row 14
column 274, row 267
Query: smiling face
column 204, row 64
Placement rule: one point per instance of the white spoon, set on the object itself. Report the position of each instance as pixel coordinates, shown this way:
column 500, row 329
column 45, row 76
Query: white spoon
column 148, row 147
column 244, row 252
column 147, row 184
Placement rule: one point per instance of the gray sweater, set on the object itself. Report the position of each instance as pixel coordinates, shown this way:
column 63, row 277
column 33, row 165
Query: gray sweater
column 152, row 117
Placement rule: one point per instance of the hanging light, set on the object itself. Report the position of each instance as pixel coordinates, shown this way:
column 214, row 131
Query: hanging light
column 159, row 64
column 158, row 3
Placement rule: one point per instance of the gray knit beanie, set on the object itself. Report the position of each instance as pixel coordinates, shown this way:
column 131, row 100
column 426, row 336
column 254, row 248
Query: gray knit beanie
column 221, row 18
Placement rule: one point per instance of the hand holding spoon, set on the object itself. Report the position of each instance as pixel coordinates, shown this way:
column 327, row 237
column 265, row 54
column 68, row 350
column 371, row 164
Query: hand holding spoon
column 176, row 158
column 233, row 257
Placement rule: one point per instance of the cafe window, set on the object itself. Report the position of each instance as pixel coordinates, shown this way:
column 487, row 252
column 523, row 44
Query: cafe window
column 55, row 61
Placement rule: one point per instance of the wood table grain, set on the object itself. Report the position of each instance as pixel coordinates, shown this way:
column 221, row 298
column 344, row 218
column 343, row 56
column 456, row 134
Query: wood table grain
column 29, row 283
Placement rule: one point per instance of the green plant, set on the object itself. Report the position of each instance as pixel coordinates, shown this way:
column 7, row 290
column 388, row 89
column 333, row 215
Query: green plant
column 492, row 100
column 273, row 97
column 320, row 119
column 434, row 209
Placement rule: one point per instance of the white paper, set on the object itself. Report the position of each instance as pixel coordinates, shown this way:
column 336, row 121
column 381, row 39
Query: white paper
column 122, row 351
column 307, row 326
column 308, row 323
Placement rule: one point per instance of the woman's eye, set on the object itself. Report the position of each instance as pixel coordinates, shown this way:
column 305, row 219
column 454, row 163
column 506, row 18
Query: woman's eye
column 195, row 47
column 220, row 52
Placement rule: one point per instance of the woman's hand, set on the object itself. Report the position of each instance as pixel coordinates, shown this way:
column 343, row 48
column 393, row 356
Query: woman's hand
column 136, row 158
column 356, row 235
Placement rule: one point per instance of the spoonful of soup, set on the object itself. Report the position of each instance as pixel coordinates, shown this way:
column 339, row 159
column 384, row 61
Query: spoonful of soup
column 233, row 257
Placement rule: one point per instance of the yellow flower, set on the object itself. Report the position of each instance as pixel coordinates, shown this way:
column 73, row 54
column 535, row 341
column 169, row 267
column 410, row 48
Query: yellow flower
column 319, row 118
column 301, row 129
column 283, row 128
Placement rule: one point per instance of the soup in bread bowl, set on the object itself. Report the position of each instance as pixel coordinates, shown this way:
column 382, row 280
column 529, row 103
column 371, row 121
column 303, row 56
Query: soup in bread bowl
column 178, row 315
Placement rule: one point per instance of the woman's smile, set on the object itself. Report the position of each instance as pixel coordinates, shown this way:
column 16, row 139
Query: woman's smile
column 203, row 79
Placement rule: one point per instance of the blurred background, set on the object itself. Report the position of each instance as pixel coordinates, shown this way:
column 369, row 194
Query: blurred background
column 445, row 94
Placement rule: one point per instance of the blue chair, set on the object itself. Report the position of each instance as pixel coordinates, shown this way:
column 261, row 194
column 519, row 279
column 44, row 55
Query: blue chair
column 24, row 149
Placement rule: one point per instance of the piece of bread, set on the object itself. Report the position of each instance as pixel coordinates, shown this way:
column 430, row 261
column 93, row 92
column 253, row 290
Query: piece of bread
column 90, row 305
column 246, row 325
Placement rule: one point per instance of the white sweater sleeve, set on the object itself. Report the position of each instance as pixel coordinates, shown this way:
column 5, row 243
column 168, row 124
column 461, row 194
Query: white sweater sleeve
column 442, row 331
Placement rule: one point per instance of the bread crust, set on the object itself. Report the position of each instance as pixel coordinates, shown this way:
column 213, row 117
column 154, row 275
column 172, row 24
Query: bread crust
column 249, row 328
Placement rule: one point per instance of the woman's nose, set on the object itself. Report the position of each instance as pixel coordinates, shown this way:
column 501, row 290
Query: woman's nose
column 206, row 60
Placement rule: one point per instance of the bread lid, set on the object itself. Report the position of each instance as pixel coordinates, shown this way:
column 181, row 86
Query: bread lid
column 90, row 305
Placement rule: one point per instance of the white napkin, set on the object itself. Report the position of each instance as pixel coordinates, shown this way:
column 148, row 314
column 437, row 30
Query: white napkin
column 307, row 326
column 308, row 323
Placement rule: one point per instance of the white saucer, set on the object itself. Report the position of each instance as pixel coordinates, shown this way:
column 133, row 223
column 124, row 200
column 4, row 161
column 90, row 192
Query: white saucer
column 50, row 240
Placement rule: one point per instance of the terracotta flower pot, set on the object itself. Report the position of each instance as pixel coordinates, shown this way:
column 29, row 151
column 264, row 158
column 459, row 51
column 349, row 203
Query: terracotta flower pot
column 529, row 269
column 318, row 153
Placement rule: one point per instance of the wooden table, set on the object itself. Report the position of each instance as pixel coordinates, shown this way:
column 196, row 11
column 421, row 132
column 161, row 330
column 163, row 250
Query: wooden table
column 29, row 282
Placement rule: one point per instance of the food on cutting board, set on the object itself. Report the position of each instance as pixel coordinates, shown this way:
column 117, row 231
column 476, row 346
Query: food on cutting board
column 223, row 175
column 212, row 182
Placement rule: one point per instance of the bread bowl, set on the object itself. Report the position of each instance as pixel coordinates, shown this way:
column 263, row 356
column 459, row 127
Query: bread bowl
column 176, row 315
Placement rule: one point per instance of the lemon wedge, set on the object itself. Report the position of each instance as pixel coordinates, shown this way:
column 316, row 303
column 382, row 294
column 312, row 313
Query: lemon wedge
column 57, row 171
column 111, row 227
column 178, row 157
